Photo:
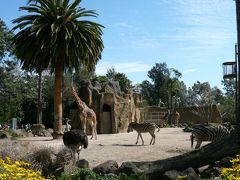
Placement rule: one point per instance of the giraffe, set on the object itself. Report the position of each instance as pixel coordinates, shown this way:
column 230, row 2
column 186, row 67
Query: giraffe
column 172, row 116
column 85, row 114
column 175, row 117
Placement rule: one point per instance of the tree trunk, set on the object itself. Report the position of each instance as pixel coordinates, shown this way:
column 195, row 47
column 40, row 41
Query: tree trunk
column 57, row 129
column 40, row 102
column 195, row 159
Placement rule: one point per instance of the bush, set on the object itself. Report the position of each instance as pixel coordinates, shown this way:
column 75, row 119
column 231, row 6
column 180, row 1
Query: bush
column 232, row 173
column 17, row 170
column 89, row 174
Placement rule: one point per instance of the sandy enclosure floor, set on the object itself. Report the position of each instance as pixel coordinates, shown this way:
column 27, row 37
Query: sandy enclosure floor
column 121, row 147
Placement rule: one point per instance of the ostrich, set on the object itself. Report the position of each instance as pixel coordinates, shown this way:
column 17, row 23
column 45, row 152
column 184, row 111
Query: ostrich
column 75, row 140
column 66, row 126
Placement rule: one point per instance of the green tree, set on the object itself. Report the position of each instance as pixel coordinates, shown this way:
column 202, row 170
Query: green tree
column 5, row 41
column 227, row 106
column 203, row 98
column 111, row 74
column 124, row 82
column 202, row 94
column 53, row 36
column 164, row 85
column 101, row 79
column 18, row 92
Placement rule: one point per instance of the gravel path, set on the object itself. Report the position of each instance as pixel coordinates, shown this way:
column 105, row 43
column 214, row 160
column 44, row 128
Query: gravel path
column 121, row 147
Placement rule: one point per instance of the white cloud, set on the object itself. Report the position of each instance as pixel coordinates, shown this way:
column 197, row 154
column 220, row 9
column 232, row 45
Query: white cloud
column 122, row 25
column 128, row 67
column 204, row 23
column 189, row 70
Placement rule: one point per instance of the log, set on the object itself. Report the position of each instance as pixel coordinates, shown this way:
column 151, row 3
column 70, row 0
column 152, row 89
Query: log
column 208, row 154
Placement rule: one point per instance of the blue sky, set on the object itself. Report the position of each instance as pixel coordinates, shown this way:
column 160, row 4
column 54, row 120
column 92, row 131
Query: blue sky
column 192, row 36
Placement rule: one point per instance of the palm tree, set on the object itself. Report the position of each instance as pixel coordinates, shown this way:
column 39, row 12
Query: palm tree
column 52, row 36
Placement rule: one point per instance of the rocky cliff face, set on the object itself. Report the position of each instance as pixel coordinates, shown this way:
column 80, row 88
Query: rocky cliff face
column 114, row 108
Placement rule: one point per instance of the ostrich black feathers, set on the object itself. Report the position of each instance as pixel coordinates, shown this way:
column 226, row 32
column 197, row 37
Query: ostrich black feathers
column 75, row 138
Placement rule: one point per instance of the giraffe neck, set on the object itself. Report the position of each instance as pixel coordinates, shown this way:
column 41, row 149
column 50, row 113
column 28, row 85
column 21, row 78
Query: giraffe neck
column 79, row 102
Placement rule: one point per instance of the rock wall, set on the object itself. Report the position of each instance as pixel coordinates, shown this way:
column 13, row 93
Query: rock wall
column 114, row 109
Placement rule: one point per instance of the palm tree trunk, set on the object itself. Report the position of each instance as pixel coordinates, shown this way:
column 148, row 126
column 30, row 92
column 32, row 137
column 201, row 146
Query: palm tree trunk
column 57, row 129
column 39, row 115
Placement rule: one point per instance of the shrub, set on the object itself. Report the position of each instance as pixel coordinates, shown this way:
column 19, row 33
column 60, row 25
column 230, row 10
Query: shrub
column 232, row 173
column 79, row 174
column 17, row 170
column 135, row 176
column 86, row 173
column 16, row 150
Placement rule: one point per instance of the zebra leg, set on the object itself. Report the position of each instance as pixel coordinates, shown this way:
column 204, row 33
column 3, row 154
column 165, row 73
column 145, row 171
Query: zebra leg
column 141, row 138
column 138, row 137
column 153, row 138
column 192, row 140
column 198, row 144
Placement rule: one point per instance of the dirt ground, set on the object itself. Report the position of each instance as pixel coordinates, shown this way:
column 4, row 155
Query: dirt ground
column 121, row 147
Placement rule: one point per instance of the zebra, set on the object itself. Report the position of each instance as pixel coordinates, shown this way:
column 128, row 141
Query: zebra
column 208, row 133
column 142, row 128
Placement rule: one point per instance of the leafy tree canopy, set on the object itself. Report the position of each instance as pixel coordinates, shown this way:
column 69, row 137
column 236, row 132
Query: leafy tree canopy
column 5, row 41
column 202, row 94
column 164, row 85
column 113, row 75
column 53, row 31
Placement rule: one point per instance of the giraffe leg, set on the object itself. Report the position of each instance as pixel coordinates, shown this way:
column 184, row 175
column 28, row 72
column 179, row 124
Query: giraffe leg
column 93, row 130
column 85, row 124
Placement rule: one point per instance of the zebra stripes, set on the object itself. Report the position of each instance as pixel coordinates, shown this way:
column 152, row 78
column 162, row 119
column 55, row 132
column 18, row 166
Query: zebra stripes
column 143, row 128
column 208, row 133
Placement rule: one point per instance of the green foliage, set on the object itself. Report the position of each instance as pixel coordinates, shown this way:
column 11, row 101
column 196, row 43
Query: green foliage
column 81, row 74
column 124, row 82
column 89, row 174
column 164, row 85
column 17, row 91
column 102, row 79
column 136, row 176
column 112, row 75
column 203, row 99
column 57, row 30
column 227, row 109
column 227, row 106
column 79, row 174
column 55, row 36
column 5, row 39
column 16, row 133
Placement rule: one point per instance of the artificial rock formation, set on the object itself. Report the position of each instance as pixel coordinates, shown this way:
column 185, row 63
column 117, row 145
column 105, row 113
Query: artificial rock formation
column 114, row 109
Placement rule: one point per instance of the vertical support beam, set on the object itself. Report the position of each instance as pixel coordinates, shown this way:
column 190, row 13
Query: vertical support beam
column 236, row 83
column 238, row 59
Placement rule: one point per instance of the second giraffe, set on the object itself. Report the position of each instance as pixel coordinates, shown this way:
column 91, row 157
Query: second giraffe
column 86, row 114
